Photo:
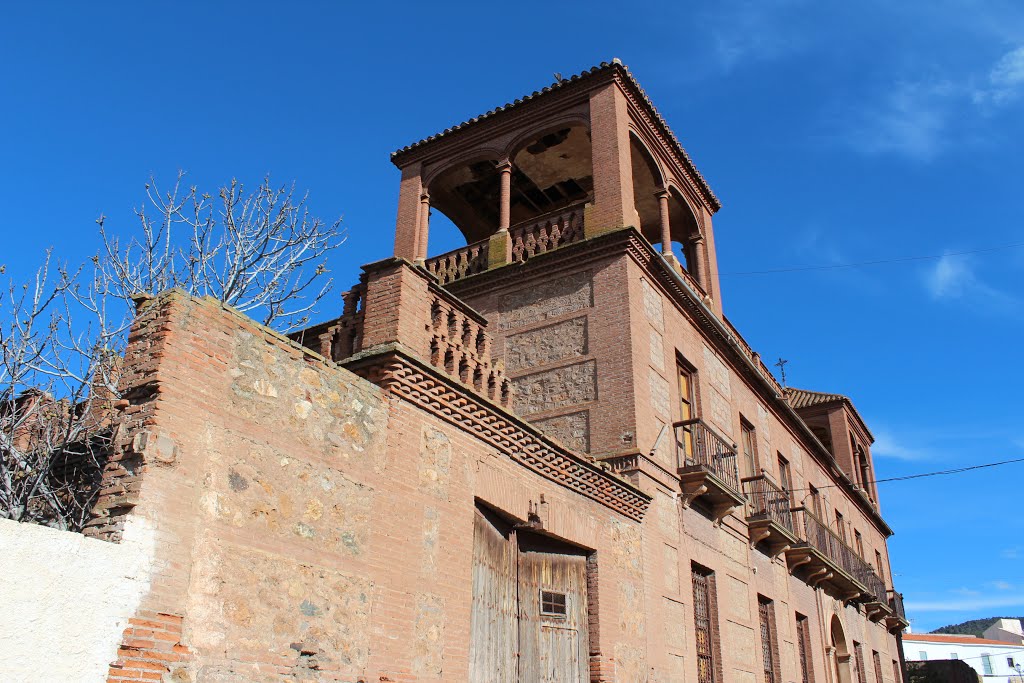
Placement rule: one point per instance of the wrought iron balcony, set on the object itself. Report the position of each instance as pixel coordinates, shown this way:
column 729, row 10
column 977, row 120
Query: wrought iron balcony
column 876, row 604
column 769, row 515
column 826, row 557
column 706, row 464
column 897, row 620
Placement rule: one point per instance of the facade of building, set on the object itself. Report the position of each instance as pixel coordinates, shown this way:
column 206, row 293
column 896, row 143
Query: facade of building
column 544, row 456
column 995, row 661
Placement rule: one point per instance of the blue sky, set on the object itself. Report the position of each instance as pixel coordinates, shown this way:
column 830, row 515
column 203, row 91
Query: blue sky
column 832, row 132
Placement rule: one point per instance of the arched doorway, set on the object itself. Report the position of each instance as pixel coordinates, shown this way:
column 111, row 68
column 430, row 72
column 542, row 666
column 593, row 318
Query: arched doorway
column 840, row 653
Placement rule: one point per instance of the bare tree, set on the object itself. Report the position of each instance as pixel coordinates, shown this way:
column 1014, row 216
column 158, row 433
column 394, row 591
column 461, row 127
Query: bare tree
column 260, row 252
column 57, row 384
column 62, row 335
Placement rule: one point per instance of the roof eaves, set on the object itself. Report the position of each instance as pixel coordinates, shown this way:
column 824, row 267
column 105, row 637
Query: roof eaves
column 614, row 65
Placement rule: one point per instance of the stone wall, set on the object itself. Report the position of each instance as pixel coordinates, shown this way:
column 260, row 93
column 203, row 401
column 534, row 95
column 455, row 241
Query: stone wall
column 308, row 526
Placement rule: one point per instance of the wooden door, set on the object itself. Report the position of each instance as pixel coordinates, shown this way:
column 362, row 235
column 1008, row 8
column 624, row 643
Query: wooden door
column 494, row 634
column 529, row 619
column 553, row 642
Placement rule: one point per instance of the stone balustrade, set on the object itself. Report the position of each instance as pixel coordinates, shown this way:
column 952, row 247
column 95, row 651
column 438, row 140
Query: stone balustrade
column 546, row 233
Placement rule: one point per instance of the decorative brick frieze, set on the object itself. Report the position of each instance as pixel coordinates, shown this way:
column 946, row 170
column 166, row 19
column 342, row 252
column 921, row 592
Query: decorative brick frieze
column 546, row 345
column 546, row 300
column 554, row 389
column 423, row 386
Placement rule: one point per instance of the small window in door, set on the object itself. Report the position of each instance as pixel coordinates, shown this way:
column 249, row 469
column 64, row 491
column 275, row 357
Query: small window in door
column 552, row 604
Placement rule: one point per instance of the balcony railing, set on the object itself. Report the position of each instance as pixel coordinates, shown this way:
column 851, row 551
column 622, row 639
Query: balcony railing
column 896, row 602
column 818, row 536
column 459, row 263
column 769, row 501
column 698, row 444
column 546, row 233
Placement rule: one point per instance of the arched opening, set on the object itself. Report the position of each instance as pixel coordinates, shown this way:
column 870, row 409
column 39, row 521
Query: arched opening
column 840, row 653
column 467, row 195
column 648, row 182
column 657, row 204
column 683, row 228
column 549, row 172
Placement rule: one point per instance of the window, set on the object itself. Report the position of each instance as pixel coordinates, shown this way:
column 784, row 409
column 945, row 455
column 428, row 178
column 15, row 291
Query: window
column 768, row 658
column 747, row 443
column 922, row 655
column 1009, row 662
column 816, row 503
column 858, row 663
column 552, row 604
column 859, row 541
column 785, row 478
column 878, row 665
column 704, row 623
column 878, row 565
column 840, row 526
column 896, row 675
column 986, row 664
column 684, row 376
column 803, row 643
column 953, row 655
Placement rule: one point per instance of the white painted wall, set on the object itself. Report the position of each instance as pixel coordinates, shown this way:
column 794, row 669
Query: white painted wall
column 973, row 655
column 65, row 600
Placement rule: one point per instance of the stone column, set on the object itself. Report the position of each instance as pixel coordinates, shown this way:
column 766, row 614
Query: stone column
column 424, row 228
column 499, row 248
column 699, row 258
column 505, row 209
column 666, row 228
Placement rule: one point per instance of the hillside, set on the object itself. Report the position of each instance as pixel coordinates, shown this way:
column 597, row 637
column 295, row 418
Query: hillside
column 974, row 627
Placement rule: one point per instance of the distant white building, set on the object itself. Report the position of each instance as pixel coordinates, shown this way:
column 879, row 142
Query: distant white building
column 997, row 660
column 1006, row 630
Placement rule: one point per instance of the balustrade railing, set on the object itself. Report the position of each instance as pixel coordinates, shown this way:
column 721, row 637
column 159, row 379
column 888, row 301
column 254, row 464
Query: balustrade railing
column 539, row 235
column 698, row 444
column 460, row 345
column 459, row 263
column 768, row 500
column 817, row 534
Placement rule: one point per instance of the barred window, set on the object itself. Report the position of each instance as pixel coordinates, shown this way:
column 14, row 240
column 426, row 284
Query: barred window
column 552, row 604
column 764, row 608
column 803, row 641
column 703, row 618
column 858, row 663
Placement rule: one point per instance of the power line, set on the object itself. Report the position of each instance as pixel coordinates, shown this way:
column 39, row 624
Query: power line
column 957, row 470
column 855, row 264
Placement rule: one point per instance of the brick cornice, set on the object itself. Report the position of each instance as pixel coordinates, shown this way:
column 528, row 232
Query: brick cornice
column 427, row 388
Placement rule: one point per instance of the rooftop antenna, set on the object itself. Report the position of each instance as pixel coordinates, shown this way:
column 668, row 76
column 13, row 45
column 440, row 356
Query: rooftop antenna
column 781, row 365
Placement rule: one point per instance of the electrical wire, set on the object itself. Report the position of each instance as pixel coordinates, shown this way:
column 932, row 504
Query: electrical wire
column 957, row 470
column 835, row 266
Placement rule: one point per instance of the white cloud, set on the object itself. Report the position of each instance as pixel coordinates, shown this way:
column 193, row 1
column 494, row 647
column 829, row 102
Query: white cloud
column 966, row 604
column 1005, row 80
column 920, row 119
column 954, row 278
column 1002, row 585
column 913, row 121
column 744, row 31
column 1012, row 553
column 888, row 446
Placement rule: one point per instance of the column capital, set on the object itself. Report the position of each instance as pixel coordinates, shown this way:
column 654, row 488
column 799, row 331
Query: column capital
column 504, row 165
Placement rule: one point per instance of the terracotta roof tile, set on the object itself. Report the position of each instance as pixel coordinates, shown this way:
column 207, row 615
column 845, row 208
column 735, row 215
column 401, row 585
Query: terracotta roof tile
column 601, row 68
column 950, row 638
column 802, row 398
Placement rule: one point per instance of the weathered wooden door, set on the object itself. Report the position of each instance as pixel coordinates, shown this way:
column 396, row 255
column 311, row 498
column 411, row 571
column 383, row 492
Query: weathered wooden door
column 553, row 639
column 529, row 620
column 494, row 631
